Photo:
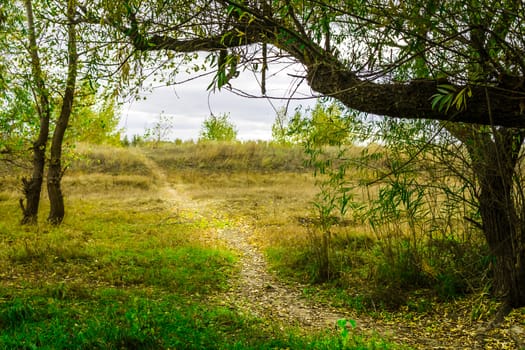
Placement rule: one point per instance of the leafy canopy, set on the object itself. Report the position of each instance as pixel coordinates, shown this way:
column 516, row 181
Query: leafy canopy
column 380, row 57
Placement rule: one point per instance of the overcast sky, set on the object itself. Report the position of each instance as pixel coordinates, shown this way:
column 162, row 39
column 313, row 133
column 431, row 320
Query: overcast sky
column 189, row 104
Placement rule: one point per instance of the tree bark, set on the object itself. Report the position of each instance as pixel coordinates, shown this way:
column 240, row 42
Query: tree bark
column 54, row 174
column 503, row 226
column 33, row 187
column 505, row 239
column 494, row 158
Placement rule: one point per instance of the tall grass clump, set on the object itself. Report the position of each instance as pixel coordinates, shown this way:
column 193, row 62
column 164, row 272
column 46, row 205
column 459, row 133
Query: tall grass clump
column 106, row 159
column 423, row 215
column 403, row 194
column 105, row 168
column 229, row 156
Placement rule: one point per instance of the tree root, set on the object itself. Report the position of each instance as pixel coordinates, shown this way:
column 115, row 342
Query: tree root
column 498, row 319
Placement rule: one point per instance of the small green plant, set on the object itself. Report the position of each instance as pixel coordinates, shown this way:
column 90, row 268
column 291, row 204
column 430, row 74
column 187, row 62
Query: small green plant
column 326, row 138
column 92, row 121
column 343, row 324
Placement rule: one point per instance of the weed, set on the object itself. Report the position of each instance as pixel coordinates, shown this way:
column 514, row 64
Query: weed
column 344, row 330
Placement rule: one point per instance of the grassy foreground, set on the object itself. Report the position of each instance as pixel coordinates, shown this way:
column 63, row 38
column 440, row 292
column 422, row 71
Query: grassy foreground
column 127, row 270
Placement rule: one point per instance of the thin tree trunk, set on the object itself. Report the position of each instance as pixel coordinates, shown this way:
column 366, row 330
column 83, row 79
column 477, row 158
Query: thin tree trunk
column 324, row 257
column 33, row 186
column 54, row 174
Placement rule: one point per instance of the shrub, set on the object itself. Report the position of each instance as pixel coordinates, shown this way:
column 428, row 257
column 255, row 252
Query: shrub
column 218, row 128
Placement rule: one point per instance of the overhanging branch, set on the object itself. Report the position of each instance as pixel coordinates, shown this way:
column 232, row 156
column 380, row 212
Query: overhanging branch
column 412, row 100
column 330, row 77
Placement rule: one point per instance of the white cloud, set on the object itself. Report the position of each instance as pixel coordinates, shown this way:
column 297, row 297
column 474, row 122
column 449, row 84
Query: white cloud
column 189, row 104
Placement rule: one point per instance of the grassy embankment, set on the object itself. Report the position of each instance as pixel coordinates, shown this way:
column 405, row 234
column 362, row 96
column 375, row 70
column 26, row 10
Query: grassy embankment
column 127, row 269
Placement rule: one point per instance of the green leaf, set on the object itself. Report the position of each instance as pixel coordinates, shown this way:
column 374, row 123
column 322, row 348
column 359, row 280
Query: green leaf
column 353, row 323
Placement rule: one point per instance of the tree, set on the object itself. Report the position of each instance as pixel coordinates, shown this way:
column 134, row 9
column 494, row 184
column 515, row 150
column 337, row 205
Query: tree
column 33, row 186
column 40, row 44
column 16, row 123
column 95, row 117
column 325, row 126
column 54, row 173
column 325, row 134
column 17, row 113
column 218, row 128
column 496, row 158
column 386, row 61
column 161, row 129
column 455, row 62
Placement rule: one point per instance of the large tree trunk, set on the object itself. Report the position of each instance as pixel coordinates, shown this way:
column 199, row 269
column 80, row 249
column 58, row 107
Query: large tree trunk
column 495, row 156
column 33, row 186
column 54, row 174
column 504, row 236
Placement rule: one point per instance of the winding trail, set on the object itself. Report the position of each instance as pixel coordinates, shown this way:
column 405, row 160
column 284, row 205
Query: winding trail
column 256, row 292
column 259, row 293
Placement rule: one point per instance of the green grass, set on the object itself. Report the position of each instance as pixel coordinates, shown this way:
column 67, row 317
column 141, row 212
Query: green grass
column 128, row 270
column 113, row 320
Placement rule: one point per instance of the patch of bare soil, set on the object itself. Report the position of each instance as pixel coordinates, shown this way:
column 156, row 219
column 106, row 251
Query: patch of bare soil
column 257, row 292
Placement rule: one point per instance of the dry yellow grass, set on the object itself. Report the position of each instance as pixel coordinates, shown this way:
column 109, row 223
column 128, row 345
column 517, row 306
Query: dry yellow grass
column 91, row 159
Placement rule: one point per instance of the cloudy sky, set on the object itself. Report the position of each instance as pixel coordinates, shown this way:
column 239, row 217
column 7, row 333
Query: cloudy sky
column 188, row 104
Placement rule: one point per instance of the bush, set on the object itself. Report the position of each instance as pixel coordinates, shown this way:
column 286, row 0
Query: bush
column 218, row 128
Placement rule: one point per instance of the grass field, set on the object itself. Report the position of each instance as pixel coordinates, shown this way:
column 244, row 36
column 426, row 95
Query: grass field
column 440, row 287
column 128, row 269
column 276, row 199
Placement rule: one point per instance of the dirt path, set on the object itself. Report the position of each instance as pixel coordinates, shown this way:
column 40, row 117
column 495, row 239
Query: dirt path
column 260, row 294
column 256, row 292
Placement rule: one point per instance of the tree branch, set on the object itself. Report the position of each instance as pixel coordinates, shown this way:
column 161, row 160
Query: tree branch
column 331, row 77
column 413, row 100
